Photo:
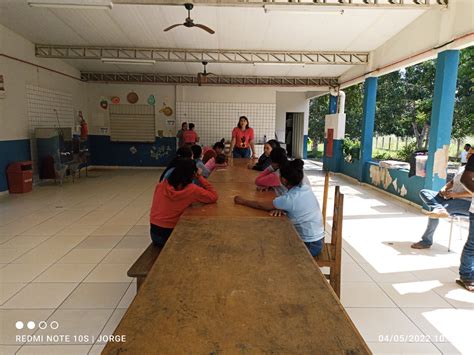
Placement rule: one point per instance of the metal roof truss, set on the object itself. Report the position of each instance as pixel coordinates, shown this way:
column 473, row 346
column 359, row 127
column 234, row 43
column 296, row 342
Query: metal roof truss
column 211, row 79
column 199, row 55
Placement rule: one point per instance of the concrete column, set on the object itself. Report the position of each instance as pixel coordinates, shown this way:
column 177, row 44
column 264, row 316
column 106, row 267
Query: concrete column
column 333, row 163
column 441, row 119
column 368, row 120
column 333, row 104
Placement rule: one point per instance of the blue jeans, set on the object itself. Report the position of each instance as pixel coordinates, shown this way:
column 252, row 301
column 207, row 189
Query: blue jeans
column 241, row 153
column 159, row 235
column 433, row 200
column 315, row 247
column 466, row 270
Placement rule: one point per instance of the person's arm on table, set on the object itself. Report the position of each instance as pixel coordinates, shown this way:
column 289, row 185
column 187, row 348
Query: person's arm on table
column 259, row 205
column 206, row 193
column 252, row 145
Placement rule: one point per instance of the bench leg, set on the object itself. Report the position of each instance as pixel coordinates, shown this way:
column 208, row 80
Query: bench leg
column 140, row 280
column 335, row 279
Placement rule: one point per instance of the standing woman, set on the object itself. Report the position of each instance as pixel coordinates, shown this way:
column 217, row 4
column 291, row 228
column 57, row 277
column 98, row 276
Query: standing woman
column 179, row 135
column 242, row 140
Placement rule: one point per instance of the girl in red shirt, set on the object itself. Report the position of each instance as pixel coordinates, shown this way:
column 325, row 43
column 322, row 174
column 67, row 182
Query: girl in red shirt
column 242, row 140
column 174, row 195
column 190, row 136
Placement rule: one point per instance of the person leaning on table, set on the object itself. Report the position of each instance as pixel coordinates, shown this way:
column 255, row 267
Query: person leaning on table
column 466, row 269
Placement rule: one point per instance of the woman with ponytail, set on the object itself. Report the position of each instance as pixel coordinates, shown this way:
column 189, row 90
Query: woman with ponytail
column 299, row 203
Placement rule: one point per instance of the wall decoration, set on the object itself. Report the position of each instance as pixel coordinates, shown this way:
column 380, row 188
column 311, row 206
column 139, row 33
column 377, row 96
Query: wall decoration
column 104, row 104
column 166, row 110
column 132, row 97
column 115, row 100
column 151, row 100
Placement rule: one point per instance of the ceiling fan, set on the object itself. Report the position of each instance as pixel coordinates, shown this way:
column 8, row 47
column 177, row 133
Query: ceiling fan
column 202, row 76
column 189, row 22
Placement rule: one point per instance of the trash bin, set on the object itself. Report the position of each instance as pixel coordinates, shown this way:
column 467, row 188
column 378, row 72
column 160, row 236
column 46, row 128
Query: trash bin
column 20, row 177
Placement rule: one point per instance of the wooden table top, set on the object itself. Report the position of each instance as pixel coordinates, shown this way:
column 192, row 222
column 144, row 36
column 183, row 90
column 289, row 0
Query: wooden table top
column 236, row 286
column 225, row 206
column 237, row 171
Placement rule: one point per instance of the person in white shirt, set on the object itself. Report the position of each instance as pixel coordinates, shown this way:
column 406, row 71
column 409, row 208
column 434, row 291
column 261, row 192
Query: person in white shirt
column 453, row 198
column 464, row 154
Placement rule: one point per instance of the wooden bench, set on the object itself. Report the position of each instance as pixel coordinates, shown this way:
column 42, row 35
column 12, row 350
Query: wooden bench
column 332, row 252
column 143, row 264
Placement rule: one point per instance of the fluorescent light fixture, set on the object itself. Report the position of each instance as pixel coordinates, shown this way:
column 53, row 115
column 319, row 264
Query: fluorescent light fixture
column 303, row 9
column 73, row 4
column 128, row 61
column 278, row 64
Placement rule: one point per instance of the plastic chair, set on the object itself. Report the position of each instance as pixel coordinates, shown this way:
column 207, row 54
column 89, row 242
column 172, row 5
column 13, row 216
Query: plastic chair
column 455, row 217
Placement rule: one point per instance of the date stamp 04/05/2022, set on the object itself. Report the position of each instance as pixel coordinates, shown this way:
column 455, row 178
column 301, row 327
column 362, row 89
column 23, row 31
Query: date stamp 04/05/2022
column 411, row 338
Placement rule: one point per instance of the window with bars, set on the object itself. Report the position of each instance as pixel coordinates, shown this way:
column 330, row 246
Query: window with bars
column 132, row 123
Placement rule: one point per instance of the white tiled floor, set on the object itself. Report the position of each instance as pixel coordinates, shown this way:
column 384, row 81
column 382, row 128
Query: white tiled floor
column 65, row 251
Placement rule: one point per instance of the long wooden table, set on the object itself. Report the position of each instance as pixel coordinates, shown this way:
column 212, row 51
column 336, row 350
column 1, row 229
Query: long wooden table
column 235, row 285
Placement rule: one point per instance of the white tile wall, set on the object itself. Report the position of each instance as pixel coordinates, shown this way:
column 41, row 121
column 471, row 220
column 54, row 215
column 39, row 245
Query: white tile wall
column 215, row 121
column 41, row 103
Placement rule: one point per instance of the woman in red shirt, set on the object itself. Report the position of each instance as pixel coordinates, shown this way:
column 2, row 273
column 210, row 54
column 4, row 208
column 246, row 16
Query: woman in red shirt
column 190, row 136
column 174, row 195
column 242, row 140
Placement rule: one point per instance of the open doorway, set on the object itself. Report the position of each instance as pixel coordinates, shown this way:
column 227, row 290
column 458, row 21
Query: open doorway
column 294, row 134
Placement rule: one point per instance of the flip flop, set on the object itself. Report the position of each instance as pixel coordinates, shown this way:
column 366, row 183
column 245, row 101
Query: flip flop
column 468, row 285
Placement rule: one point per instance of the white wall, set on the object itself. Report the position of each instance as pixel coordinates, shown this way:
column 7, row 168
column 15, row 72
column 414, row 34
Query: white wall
column 226, row 94
column 13, row 108
column 98, row 117
column 290, row 102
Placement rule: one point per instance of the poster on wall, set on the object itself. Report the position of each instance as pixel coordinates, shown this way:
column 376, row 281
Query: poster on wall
column 2, row 87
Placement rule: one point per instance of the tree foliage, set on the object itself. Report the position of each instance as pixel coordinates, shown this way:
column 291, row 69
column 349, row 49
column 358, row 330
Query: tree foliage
column 404, row 103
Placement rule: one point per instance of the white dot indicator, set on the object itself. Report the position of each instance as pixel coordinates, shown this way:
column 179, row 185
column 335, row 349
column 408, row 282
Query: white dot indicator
column 31, row 325
column 19, row 325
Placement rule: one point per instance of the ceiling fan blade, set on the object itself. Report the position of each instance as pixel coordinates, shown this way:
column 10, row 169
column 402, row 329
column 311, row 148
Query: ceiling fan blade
column 173, row 26
column 205, row 28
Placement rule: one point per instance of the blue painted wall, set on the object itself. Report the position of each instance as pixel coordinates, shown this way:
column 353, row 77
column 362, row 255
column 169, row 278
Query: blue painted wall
column 368, row 122
column 333, row 163
column 105, row 152
column 351, row 169
column 384, row 179
column 441, row 115
column 12, row 151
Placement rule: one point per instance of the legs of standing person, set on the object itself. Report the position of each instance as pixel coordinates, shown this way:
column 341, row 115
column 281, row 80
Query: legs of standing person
column 453, row 206
column 159, row 236
column 315, row 247
column 241, row 153
column 236, row 153
column 466, row 269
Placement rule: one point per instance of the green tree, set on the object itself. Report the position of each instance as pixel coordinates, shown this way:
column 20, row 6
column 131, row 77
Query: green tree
column 463, row 119
column 318, row 109
column 354, row 111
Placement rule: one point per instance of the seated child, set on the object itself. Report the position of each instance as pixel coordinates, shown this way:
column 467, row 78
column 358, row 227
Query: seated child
column 264, row 161
column 209, row 153
column 173, row 196
column 182, row 153
column 299, row 203
column 270, row 177
column 197, row 153
column 220, row 161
